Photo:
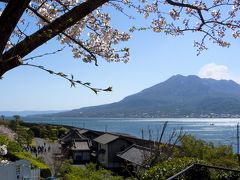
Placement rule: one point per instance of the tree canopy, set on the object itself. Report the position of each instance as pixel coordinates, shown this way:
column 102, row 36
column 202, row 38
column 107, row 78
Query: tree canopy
column 86, row 27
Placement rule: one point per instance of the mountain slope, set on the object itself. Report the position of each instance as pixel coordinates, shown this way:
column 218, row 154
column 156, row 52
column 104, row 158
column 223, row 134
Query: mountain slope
column 27, row 113
column 179, row 96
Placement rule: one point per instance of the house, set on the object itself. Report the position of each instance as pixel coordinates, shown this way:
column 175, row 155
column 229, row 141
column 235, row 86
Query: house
column 77, row 146
column 90, row 134
column 18, row 170
column 67, row 139
column 108, row 147
column 80, row 151
column 76, row 133
column 84, row 145
column 136, row 156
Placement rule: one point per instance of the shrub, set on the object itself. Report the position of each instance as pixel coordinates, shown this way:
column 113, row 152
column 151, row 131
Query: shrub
column 45, row 173
column 193, row 151
column 12, row 146
column 36, row 131
column 221, row 155
column 168, row 168
column 61, row 131
column 53, row 132
column 70, row 172
column 24, row 136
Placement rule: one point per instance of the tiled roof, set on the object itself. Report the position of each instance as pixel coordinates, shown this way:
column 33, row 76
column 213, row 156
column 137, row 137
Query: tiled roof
column 82, row 131
column 135, row 154
column 72, row 134
column 106, row 138
column 82, row 145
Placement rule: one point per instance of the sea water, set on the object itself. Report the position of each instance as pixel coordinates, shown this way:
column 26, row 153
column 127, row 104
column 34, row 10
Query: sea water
column 218, row 131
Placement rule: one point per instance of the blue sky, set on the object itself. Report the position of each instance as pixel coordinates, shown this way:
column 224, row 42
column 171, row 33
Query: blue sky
column 154, row 58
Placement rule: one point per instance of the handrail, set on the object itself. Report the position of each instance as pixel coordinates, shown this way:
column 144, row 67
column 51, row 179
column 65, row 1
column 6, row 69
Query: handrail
column 181, row 172
column 218, row 167
column 201, row 165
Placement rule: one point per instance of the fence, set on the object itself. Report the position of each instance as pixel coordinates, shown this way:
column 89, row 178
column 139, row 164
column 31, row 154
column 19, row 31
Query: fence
column 35, row 174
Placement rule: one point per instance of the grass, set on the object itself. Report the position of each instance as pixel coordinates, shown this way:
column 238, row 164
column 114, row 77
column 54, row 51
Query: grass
column 28, row 156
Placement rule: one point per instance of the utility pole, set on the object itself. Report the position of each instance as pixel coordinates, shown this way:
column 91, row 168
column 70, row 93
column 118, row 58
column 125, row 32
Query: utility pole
column 142, row 132
column 238, row 155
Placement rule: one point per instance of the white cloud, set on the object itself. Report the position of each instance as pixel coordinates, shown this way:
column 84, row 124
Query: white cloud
column 214, row 71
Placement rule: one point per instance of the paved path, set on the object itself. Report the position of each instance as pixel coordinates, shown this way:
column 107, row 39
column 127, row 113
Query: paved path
column 48, row 155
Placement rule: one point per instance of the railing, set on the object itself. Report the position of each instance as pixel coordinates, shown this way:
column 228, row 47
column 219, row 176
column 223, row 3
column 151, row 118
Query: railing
column 189, row 168
column 181, row 173
column 35, row 174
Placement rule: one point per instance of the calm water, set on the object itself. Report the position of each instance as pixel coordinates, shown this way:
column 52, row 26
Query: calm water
column 219, row 131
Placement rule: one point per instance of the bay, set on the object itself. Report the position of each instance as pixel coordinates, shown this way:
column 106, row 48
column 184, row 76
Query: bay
column 218, row 131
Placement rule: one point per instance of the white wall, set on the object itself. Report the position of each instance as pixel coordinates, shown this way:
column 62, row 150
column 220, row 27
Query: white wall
column 18, row 170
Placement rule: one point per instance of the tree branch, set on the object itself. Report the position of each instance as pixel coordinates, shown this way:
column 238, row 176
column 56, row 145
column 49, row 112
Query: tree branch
column 71, row 79
column 9, row 64
column 9, row 19
column 5, row 1
column 51, row 30
column 187, row 6
column 42, row 55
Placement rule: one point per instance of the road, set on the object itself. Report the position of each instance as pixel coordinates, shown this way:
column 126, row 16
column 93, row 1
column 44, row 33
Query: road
column 48, row 156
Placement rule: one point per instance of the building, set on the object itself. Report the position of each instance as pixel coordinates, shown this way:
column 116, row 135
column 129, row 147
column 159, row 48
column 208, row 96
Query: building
column 76, row 146
column 136, row 156
column 90, row 134
column 84, row 145
column 108, row 147
column 18, row 170
column 68, row 138
column 80, row 151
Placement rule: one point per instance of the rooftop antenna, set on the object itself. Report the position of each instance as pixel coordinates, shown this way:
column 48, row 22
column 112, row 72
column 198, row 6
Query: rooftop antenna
column 106, row 128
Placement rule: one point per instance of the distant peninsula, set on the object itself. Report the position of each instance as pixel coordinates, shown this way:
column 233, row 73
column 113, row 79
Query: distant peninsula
column 178, row 97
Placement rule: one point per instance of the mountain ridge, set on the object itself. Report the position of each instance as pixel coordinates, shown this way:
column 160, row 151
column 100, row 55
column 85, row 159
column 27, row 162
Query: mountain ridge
column 178, row 96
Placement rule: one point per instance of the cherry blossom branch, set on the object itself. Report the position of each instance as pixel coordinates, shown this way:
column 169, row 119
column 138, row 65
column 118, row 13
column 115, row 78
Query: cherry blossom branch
column 222, row 23
column 45, row 54
column 46, row 33
column 51, row 30
column 71, row 79
column 40, row 5
column 65, row 34
column 120, row 9
column 187, row 6
column 90, row 34
column 218, row 5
